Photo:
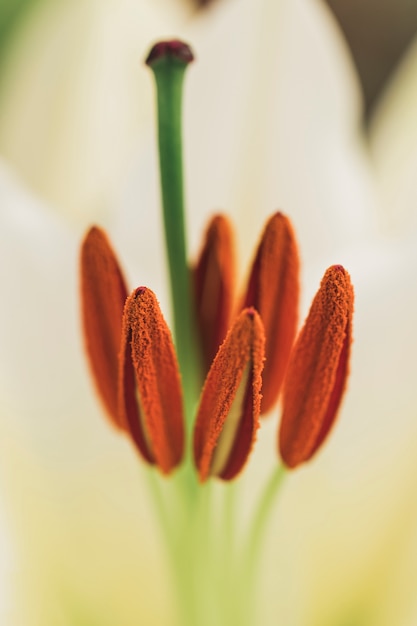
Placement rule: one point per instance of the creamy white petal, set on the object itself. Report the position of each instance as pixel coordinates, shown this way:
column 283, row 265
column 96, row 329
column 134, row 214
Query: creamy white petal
column 74, row 101
column 273, row 114
column 71, row 485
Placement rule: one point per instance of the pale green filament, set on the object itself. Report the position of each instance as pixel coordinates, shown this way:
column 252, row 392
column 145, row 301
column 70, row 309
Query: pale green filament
column 257, row 530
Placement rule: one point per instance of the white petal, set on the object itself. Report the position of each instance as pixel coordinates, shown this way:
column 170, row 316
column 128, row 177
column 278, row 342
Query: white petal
column 273, row 115
column 74, row 98
column 71, row 485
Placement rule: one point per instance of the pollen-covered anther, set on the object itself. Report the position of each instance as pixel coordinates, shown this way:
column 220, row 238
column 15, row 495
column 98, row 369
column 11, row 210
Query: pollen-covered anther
column 103, row 295
column 273, row 290
column 214, row 277
column 150, row 397
column 318, row 370
column 228, row 416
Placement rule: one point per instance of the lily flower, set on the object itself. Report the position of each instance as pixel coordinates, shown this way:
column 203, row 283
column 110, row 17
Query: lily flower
column 286, row 136
column 133, row 360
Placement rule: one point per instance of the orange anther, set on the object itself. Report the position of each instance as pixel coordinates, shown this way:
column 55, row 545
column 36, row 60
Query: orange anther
column 318, row 370
column 103, row 295
column 228, row 416
column 150, row 397
column 214, row 277
column 273, row 290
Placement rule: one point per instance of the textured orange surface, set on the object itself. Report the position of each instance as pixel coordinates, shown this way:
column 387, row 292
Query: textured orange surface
column 243, row 346
column 103, row 295
column 214, row 278
column 318, row 370
column 150, row 396
column 273, row 290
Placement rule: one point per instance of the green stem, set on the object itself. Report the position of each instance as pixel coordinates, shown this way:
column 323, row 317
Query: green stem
column 257, row 536
column 263, row 510
column 178, row 523
column 230, row 589
column 230, row 502
column 168, row 62
column 192, row 562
